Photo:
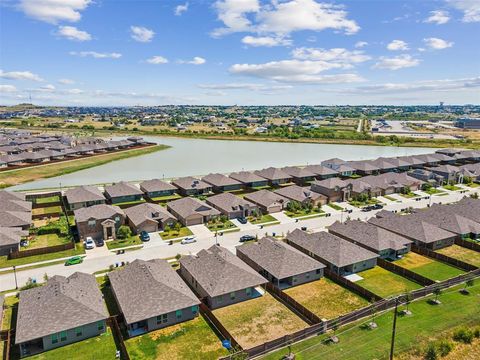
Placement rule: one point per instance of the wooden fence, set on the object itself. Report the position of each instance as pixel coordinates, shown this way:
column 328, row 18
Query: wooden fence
column 41, row 251
column 117, row 333
column 413, row 276
column 350, row 285
column 444, row 258
column 216, row 324
column 6, row 336
column 467, row 244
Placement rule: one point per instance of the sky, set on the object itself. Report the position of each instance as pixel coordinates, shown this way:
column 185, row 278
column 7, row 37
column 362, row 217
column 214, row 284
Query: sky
column 243, row 52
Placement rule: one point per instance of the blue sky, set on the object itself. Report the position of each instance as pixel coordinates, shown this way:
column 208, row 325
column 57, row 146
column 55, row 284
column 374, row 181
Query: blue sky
column 246, row 52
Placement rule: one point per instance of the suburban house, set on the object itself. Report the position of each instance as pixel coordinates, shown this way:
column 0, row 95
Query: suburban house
column 15, row 211
column 334, row 189
column 219, row 277
column 339, row 166
column 386, row 165
column 450, row 173
column 280, row 263
column 303, row 195
column 341, row 256
column 444, row 159
column 249, row 179
column 274, row 176
column 267, row 201
column 99, row 221
column 361, row 187
column 188, row 186
column 321, row 172
column 148, row 217
column 471, row 171
column 84, row 196
column 386, row 244
column 10, row 238
column 300, row 176
column 427, row 176
column 221, row 183
column 365, row 167
column 413, row 161
column 61, row 312
column 191, row 211
column 157, row 188
column 123, row 192
column 428, row 160
column 384, row 184
column 151, row 295
column 232, row 206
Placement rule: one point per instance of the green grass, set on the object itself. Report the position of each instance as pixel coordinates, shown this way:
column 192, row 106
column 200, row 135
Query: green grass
column 219, row 226
column 173, row 234
column 361, row 344
column 167, row 198
column 385, row 283
column 47, row 210
column 434, row 191
column 410, row 195
column 430, row 268
column 335, row 206
column 363, row 203
column 462, row 254
column 116, row 244
column 313, row 213
column 97, row 347
column 47, row 200
column 129, row 202
column 189, row 340
column 452, row 187
column 263, row 219
column 9, row 312
column 473, row 185
column 41, row 241
column 32, row 267
column 389, row 198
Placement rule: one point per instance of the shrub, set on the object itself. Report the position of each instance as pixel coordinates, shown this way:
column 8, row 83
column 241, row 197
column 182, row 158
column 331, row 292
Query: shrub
column 444, row 347
column 463, row 335
column 124, row 232
column 476, row 332
column 431, row 352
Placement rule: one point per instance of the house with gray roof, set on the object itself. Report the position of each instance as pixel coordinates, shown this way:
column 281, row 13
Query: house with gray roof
column 267, row 201
column 335, row 189
column 156, row 188
column 363, row 167
column 219, row 277
column 123, row 192
column 321, row 172
column 99, row 221
column 191, row 211
column 413, row 161
column 232, row 206
column 300, row 176
column 10, row 238
column 188, row 186
column 221, row 183
column 339, row 166
column 384, row 164
column 450, row 173
column 283, row 265
column 61, row 312
column 386, row 244
column 151, row 295
column 303, row 195
column 16, row 219
column 274, row 176
column 148, row 217
column 249, row 179
column 84, row 196
column 341, row 256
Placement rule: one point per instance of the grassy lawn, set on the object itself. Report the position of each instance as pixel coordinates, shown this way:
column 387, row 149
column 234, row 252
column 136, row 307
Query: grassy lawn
column 434, row 191
column 47, row 200
column 313, row 213
column 189, row 340
column 136, row 202
column 46, row 240
column 255, row 321
column 389, row 198
column 361, row 344
column 172, row 234
column 385, row 283
column 427, row 267
column 47, row 210
column 452, row 187
column 461, row 253
column 335, row 206
column 410, row 195
column 262, row 220
column 326, row 299
column 219, row 226
column 116, row 244
column 9, row 312
column 167, row 198
column 473, row 185
column 98, row 347
column 363, row 203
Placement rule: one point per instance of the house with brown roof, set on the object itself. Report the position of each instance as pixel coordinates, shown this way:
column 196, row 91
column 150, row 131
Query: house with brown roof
column 334, row 189
column 148, row 217
column 267, row 201
column 221, row 183
column 188, row 186
column 339, row 166
column 300, row 176
column 363, row 167
column 123, row 192
column 151, row 295
column 249, row 179
column 283, row 265
column 191, row 211
column 61, row 312
column 303, row 195
column 274, row 176
column 219, row 277
column 99, row 221
column 450, row 173
column 341, row 256
column 321, row 172
column 84, row 196
column 232, row 206
column 157, row 188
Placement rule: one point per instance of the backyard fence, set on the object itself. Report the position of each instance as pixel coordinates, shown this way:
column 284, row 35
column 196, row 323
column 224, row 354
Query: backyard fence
column 444, row 258
column 41, row 251
column 117, row 333
column 350, row 285
column 468, row 244
column 7, row 337
column 34, row 197
column 216, row 324
column 399, row 270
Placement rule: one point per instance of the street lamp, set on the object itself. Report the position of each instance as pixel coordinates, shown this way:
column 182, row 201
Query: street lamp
column 15, row 275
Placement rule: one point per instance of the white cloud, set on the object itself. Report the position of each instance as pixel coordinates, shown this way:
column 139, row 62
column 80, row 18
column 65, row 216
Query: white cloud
column 74, row 91
column 72, row 33
column 7, row 89
column 53, row 11
column 438, row 17
column 397, row 62
column 470, row 9
column 46, row 88
column 180, row 9
column 141, row 34
column 66, row 81
column 156, row 60
column 361, row 44
column 244, row 86
column 281, row 18
column 20, row 75
column 437, row 44
column 397, row 45
column 337, row 55
column 96, row 55
column 267, row 41
column 197, row 60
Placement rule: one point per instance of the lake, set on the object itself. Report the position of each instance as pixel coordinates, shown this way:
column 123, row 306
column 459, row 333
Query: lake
column 202, row 156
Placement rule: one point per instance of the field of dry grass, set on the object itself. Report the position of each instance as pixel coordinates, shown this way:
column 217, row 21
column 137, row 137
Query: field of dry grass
column 461, row 253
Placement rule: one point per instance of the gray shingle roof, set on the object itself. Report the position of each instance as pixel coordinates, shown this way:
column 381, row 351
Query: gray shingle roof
column 83, row 194
column 11, row 236
column 246, row 177
column 156, row 185
column 138, row 214
column 266, row 198
column 189, row 206
column 228, row 202
column 97, row 212
column 15, row 218
column 122, row 189
column 190, row 183
column 61, row 304
column 298, row 172
column 321, row 170
column 220, row 180
column 298, row 193
column 331, row 183
column 273, row 174
column 145, row 289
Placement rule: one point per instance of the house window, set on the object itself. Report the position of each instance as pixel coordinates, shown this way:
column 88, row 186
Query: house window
column 232, row 295
column 92, row 223
column 100, row 326
column 178, row 313
column 307, row 275
column 162, row 319
column 195, row 309
column 63, row 335
column 79, row 331
column 220, row 299
column 318, row 271
column 54, row 338
column 294, row 278
column 248, row 291
column 117, row 219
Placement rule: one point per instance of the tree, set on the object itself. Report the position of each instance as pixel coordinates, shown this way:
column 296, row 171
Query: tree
column 124, row 232
column 437, row 292
column 177, row 226
column 166, row 229
column 408, row 299
column 469, row 283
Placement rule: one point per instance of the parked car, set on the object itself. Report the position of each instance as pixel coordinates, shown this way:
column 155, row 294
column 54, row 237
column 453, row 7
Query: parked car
column 88, row 243
column 242, row 220
column 188, row 240
column 367, row 208
column 100, row 242
column 377, row 207
column 74, row 261
column 144, row 236
column 247, row 238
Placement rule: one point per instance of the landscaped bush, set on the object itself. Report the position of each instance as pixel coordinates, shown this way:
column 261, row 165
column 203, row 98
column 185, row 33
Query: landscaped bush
column 124, row 232
column 431, row 352
column 59, row 227
column 463, row 335
column 476, row 332
column 444, row 347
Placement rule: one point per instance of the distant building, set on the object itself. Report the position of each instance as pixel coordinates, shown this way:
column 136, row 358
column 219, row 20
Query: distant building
column 468, row 123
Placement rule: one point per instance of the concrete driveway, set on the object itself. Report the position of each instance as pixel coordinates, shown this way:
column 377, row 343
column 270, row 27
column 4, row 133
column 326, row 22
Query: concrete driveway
column 200, row 231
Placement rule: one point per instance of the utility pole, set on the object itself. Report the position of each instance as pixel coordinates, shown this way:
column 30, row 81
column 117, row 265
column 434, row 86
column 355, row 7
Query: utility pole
column 394, row 328
column 15, row 275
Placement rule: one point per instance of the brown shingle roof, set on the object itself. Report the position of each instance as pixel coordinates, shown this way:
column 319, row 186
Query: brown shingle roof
column 138, row 214
column 83, row 194
column 189, row 206
column 156, row 185
column 97, row 212
column 298, row 193
column 122, row 189
column 220, row 180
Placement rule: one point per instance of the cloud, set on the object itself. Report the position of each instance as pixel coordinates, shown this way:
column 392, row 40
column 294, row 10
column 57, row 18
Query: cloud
column 74, row 91
column 96, row 55
column 244, row 86
column 197, row 60
column 281, row 18
column 7, row 89
column 438, row 17
column 156, row 60
column 20, row 75
column 437, row 44
column 66, row 81
column 397, row 62
column 53, row 11
column 72, row 33
column 141, row 34
column 180, row 9
column 361, row 44
column 267, row 41
column 45, row 88
column 397, row 45
column 336, row 55
column 470, row 9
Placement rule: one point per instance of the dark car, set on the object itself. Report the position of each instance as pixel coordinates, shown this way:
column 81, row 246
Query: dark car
column 242, row 220
column 367, row 208
column 377, row 207
column 144, row 236
column 100, row 242
column 247, row 238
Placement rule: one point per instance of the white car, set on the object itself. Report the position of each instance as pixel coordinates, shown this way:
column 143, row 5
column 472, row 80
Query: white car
column 188, row 240
column 89, row 243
